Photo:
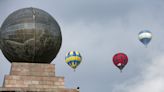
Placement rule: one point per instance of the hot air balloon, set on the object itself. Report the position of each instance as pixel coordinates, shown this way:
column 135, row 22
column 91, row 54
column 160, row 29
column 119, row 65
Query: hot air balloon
column 145, row 37
column 120, row 60
column 73, row 59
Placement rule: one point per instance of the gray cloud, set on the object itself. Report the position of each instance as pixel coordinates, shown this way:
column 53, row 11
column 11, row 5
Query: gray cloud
column 99, row 29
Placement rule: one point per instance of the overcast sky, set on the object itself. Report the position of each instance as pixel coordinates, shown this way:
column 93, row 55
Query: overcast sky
column 99, row 29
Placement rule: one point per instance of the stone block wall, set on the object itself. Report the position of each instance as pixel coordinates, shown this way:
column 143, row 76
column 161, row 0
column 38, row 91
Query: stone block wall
column 34, row 77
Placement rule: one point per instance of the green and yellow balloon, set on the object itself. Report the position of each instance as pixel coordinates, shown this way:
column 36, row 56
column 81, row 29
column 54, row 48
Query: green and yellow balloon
column 73, row 59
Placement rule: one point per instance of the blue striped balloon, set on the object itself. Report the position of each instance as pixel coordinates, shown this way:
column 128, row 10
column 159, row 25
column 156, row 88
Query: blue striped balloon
column 73, row 59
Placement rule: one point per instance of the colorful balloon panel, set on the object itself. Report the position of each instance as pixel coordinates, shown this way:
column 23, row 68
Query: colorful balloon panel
column 73, row 59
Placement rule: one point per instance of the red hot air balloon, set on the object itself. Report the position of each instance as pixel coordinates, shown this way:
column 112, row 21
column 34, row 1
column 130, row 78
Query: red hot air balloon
column 120, row 60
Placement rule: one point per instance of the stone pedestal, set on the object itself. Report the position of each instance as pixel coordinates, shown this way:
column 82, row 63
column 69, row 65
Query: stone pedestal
column 32, row 77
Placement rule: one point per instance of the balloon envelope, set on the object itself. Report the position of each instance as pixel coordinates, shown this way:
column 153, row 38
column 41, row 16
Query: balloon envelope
column 145, row 37
column 73, row 59
column 120, row 60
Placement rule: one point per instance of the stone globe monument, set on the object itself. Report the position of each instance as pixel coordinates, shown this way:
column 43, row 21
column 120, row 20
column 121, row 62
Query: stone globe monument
column 30, row 39
column 30, row 35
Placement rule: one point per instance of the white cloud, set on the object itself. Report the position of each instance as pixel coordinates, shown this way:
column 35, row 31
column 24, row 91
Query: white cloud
column 151, row 79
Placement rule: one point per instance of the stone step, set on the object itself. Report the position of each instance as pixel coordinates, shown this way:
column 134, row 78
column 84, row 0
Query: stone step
column 39, row 78
column 33, row 81
column 33, row 73
column 32, row 69
column 15, row 89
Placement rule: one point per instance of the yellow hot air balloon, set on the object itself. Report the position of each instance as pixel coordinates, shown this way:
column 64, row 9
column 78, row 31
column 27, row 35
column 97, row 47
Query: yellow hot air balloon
column 73, row 59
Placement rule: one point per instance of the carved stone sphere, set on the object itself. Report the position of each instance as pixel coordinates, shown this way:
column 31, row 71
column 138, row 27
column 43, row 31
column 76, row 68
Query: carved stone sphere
column 30, row 35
